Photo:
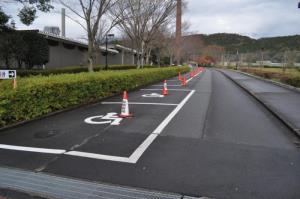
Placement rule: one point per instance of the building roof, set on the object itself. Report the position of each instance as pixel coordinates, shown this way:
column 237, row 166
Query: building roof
column 59, row 38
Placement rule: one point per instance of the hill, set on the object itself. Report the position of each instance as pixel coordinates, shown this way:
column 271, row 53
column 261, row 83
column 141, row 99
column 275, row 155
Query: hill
column 234, row 42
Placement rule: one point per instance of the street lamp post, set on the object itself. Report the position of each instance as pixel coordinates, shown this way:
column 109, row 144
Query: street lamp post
column 106, row 50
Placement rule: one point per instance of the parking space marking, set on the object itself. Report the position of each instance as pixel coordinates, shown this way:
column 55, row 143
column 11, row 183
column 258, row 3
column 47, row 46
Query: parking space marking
column 187, row 81
column 143, row 147
column 168, row 85
column 140, row 103
column 32, row 149
column 99, row 156
column 136, row 155
column 156, row 89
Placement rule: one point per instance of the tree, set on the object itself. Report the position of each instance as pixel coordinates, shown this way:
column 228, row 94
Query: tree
column 37, row 52
column 91, row 12
column 28, row 13
column 6, row 42
column 140, row 20
column 3, row 18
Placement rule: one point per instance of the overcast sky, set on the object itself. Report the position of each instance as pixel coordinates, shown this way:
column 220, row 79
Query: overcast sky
column 254, row 18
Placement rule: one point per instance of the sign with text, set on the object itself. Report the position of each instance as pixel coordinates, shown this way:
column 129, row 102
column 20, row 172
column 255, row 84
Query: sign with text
column 8, row 74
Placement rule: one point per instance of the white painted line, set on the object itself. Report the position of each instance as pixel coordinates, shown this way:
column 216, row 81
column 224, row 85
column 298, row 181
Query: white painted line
column 135, row 156
column 143, row 147
column 168, row 85
column 98, row 156
column 193, row 77
column 186, row 90
column 32, row 149
column 141, row 103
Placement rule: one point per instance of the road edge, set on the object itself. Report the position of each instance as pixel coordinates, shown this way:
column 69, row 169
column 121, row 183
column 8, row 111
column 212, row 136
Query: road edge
column 269, row 108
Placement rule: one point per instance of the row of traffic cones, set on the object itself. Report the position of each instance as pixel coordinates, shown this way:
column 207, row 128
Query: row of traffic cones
column 192, row 74
column 125, row 105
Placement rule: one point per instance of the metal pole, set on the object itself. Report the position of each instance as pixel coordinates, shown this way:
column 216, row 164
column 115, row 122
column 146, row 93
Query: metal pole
column 63, row 22
column 106, row 65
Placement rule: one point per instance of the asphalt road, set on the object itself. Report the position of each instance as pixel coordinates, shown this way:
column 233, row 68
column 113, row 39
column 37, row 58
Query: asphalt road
column 209, row 139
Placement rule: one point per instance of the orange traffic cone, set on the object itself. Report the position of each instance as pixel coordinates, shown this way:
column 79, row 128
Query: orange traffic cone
column 125, row 107
column 183, row 82
column 165, row 88
column 179, row 76
column 191, row 74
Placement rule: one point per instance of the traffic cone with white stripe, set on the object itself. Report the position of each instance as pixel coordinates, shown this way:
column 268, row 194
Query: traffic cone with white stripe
column 165, row 88
column 125, row 107
column 183, row 82
column 179, row 76
column 191, row 74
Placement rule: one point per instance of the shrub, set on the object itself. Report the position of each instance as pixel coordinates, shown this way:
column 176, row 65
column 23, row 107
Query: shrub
column 72, row 69
column 36, row 96
column 293, row 81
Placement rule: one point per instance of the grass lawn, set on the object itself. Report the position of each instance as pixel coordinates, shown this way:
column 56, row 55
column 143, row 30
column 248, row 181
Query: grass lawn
column 290, row 76
column 288, row 71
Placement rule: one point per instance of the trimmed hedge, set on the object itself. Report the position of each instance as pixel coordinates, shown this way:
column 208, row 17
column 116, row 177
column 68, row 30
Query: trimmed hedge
column 40, row 95
column 73, row 69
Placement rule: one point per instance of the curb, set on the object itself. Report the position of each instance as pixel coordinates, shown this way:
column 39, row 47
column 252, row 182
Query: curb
column 49, row 186
column 270, row 81
column 295, row 130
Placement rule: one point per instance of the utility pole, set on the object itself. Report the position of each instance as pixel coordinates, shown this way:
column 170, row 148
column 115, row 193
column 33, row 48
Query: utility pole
column 178, row 32
column 63, row 22
column 262, row 58
column 106, row 48
column 238, row 60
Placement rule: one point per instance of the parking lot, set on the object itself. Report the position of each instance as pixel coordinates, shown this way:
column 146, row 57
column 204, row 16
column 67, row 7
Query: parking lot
column 196, row 141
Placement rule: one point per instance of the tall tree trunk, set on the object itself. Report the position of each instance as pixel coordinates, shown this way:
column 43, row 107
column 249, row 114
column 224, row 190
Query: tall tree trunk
column 148, row 57
column 171, row 60
column 90, row 56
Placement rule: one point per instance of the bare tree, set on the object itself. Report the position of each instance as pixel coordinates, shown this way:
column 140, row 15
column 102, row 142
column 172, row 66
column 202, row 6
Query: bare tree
column 91, row 13
column 140, row 20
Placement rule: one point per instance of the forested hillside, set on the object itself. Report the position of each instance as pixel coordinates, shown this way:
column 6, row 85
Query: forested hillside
column 234, row 42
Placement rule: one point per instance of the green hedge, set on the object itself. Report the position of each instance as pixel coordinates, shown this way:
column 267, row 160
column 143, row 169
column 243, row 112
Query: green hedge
column 39, row 95
column 72, row 69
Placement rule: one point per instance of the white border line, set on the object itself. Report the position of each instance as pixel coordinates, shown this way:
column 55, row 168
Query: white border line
column 32, row 149
column 193, row 77
column 140, row 103
column 98, row 156
column 168, row 85
column 156, row 89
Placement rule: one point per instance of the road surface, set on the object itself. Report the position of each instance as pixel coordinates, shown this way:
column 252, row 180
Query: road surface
column 210, row 139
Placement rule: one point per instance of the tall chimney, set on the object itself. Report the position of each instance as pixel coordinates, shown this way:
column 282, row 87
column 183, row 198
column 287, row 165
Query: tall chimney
column 178, row 32
column 63, row 22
